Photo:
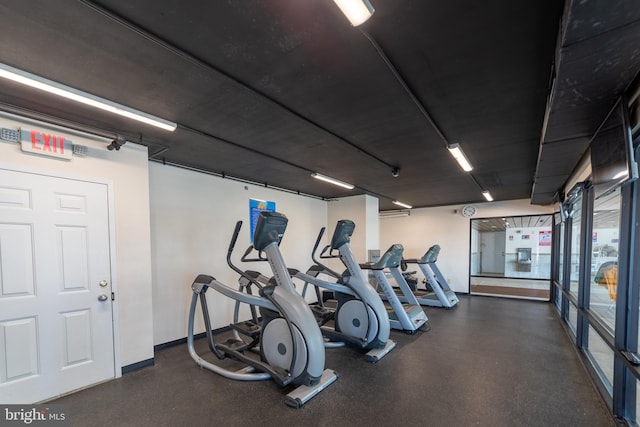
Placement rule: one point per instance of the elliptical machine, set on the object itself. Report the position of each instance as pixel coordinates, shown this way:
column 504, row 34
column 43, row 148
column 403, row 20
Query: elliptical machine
column 287, row 340
column 359, row 318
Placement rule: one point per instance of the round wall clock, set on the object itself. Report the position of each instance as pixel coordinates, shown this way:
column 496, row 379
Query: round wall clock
column 468, row 211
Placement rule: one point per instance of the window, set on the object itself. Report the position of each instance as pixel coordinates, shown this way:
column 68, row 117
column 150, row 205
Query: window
column 511, row 256
column 604, row 257
column 573, row 318
column 576, row 225
column 598, row 260
column 601, row 357
column 558, row 279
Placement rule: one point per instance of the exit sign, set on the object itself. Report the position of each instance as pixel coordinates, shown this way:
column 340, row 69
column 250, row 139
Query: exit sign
column 46, row 144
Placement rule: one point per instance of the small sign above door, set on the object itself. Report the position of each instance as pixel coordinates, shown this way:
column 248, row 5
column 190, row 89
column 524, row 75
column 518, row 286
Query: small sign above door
column 46, row 144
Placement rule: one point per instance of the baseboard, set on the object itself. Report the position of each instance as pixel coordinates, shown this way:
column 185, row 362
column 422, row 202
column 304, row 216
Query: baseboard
column 150, row 362
column 181, row 341
column 137, row 366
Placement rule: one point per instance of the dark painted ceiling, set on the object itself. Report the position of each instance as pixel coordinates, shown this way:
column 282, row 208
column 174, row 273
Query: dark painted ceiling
column 270, row 91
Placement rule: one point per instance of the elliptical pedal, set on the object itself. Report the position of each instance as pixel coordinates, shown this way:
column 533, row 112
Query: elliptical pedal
column 322, row 314
column 247, row 328
column 232, row 344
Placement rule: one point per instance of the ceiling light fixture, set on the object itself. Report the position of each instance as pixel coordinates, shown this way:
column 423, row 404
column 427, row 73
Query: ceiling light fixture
column 487, row 196
column 460, row 157
column 68, row 92
column 333, row 181
column 356, row 11
column 404, row 205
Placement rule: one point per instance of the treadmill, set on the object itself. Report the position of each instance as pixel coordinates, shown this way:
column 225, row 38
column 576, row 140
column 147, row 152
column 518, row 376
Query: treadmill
column 441, row 294
column 408, row 316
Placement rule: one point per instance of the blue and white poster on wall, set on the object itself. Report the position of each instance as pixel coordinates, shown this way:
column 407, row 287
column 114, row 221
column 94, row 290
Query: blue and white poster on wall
column 255, row 207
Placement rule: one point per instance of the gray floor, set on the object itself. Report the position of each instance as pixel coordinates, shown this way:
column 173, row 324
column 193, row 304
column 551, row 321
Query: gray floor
column 488, row 362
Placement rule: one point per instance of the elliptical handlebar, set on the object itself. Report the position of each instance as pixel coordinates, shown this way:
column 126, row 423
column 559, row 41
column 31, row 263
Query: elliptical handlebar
column 248, row 251
column 318, row 263
column 315, row 246
column 324, row 250
column 331, row 255
column 232, row 245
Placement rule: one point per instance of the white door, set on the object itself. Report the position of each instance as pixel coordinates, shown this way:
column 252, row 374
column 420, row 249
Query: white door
column 493, row 247
column 56, row 324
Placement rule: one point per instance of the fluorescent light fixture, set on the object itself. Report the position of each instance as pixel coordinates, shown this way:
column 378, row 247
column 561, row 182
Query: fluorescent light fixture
column 487, row 196
column 356, row 11
column 458, row 154
column 68, row 92
column 404, row 205
column 333, row 181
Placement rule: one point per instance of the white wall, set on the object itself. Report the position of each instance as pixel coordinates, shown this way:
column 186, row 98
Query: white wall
column 363, row 211
column 192, row 219
column 373, row 224
column 516, row 238
column 528, row 238
column 440, row 225
column 127, row 170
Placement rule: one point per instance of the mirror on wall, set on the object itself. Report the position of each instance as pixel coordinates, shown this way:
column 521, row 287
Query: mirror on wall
column 511, row 256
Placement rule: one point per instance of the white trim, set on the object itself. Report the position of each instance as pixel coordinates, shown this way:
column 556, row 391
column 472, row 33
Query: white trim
column 115, row 308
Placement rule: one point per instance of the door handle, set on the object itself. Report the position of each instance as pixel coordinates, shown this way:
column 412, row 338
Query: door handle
column 102, row 298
